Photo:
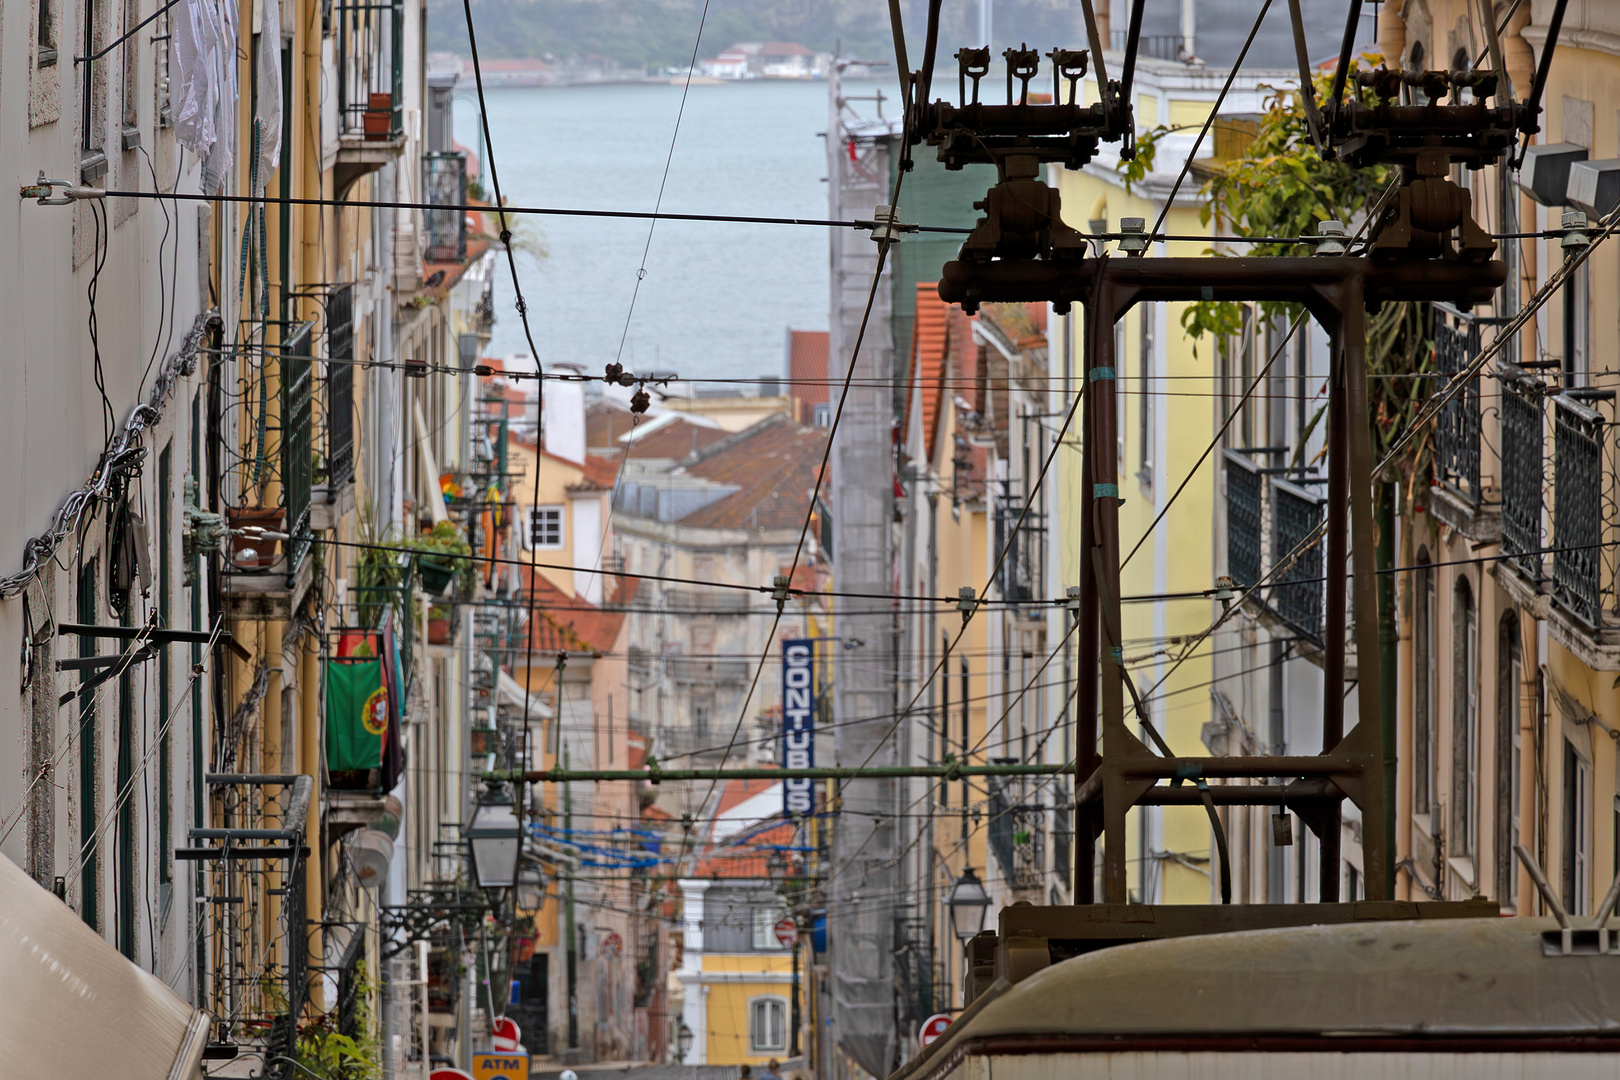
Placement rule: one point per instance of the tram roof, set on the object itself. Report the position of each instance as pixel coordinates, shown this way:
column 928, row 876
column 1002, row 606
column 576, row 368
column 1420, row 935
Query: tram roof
column 1461, row 978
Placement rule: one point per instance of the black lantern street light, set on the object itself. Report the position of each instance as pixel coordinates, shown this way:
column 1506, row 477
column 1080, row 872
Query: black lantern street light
column 531, row 886
column 684, row 1041
column 494, row 837
column 967, row 904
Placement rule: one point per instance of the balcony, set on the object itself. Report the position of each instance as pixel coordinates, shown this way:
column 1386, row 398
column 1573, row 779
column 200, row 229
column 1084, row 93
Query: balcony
column 1022, row 551
column 1460, row 497
column 370, row 87
column 1244, row 489
column 707, row 671
column 1296, row 595
column 1522, row 474
column 270, row 475
column 253, row 931
column 1583, row 582
column 444, row 181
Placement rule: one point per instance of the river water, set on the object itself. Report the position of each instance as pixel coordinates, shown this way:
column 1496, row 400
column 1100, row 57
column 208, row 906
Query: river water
column 717, row 298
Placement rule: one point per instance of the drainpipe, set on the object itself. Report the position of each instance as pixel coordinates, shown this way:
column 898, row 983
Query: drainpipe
column 1392, row 33
column 1189, row 29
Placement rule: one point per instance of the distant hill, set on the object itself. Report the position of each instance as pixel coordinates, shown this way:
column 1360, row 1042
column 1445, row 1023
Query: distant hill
column 659, row 33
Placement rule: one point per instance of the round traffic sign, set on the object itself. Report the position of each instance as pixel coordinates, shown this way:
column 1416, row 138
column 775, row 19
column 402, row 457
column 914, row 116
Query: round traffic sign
column 933, row 1027
column 504, row 1035
column 787, row 932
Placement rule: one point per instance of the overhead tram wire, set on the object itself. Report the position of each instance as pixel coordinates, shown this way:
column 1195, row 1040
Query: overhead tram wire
column 885, row 241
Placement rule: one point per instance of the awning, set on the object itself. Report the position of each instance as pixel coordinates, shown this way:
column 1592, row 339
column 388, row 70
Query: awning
column 509, row 693
column 71, row 1005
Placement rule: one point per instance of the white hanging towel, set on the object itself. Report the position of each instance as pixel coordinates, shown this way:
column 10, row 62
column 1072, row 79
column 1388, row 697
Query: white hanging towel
column 269, row 90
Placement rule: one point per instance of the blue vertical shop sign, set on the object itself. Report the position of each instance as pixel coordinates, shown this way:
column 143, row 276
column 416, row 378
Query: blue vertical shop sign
column 798, row 723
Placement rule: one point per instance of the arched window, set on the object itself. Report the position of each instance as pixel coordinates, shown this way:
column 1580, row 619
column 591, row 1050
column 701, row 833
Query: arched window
column 1424, row 690
column 1509, row 679
column 1464, row 839
column 767, row 1025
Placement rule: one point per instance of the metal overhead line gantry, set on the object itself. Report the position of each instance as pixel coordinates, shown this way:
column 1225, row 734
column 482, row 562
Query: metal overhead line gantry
column 1423, row 244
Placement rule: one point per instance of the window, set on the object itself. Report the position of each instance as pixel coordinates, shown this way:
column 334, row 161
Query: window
column 765, row 920
column 1464, row 725
column 1509, row 679
column 702, row 712
column 1423, row 691
column 1144, row 390
column 45, row 56
column 821, row 414
column 1577, row 830
column 767, row 1025
column 546, row 526
column 702, row 639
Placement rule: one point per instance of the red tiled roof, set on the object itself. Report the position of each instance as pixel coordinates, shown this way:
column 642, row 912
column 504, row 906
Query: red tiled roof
column 784, row 48
column 740, row 856
column 566, row 623
column 773, row 464
column 679, row 439
column 943, row 356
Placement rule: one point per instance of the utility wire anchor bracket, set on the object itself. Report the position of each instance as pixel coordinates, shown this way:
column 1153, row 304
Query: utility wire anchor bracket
column 886, row 225
column 43, row 189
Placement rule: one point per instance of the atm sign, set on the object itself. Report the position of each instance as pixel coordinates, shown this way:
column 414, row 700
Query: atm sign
column 500, row 1066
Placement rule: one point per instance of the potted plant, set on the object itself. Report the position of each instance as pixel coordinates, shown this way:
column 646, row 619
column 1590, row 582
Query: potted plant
column 378, row 572
column 442, row 556
column 439, row 628
column 379, row 116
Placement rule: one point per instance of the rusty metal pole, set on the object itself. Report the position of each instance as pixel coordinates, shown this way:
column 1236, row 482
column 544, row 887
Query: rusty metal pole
column 1085, row 698
column 1103, row 554
column 1358, row 431
column 1334, row 616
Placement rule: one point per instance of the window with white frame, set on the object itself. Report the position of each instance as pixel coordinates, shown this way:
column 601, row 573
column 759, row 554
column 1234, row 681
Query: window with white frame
column 767, row 1025
column 765, row 920
column 546, row 526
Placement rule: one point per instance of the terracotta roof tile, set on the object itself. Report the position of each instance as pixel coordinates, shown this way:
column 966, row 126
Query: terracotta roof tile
column 773, row 464
column 807, row 371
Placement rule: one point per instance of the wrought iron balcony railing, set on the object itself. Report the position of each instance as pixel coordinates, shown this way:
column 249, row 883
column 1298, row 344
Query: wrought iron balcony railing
column 444, row 180
column 370, row 69
column 1522, row 469
column 340, row 386
column 1458, row 437
column 1022, row 553
column 1582, row 507
column 1244, row 489
column 1017, row 835
column 1296, row 595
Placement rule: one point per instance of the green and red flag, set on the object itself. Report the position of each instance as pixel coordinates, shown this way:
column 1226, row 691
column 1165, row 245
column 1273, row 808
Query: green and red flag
column 357, row 714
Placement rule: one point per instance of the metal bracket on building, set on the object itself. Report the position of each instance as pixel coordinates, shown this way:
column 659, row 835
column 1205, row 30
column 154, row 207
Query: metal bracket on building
column 428, row 910
column 42, row 191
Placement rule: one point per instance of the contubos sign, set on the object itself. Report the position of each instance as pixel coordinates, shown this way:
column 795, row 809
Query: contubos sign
column 798, row 723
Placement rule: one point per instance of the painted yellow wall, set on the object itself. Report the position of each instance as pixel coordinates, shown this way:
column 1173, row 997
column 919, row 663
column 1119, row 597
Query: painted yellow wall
column 556, row 476
column 1185, row 409
column 728, row 1004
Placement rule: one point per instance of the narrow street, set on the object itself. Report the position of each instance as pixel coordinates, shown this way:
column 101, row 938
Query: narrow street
column 608, row 541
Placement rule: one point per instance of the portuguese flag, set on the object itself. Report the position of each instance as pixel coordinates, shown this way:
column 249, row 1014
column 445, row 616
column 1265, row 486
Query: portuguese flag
column 357, row 714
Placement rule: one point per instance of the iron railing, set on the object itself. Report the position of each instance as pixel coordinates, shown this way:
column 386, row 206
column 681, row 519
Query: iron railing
column 1458, row 437
column 1157, row 46
column 1579, row 500
column 1017, row 835
column 1022, row 553
column 370, row 69
column 297, row 440
column 444, row 181
column 340, row 386
column 252, row 862
column 1522, row 478
column 1296, row 595
column 1244, row 490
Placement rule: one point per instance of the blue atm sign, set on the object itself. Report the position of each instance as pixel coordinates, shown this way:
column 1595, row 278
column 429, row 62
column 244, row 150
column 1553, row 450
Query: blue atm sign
column 798, row 723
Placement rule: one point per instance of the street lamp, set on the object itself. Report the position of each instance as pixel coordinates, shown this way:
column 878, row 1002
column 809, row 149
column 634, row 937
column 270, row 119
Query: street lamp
column 683, row 1041
column 531, row 887
column 493, row 838
column 967, row 904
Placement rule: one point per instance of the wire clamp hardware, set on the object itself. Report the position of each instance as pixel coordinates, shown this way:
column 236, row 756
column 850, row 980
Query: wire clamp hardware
column 886, row 225
column 966, row 603
column 779, row 591
column 43, row 191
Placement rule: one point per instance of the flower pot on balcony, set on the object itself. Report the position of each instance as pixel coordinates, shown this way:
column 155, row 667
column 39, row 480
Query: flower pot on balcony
column 253, row 552
column 436, row 573
column 379, row 116
column 439, row 630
